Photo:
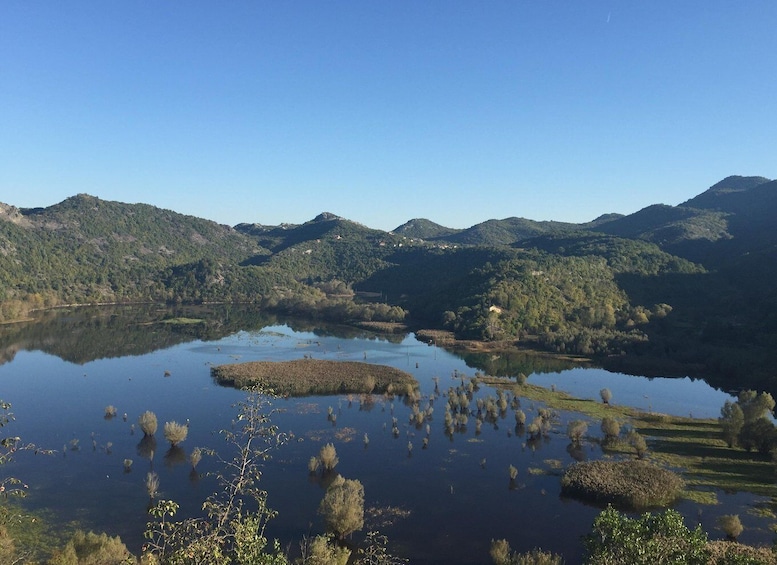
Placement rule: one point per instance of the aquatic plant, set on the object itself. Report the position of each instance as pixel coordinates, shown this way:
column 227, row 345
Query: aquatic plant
column 152, row 484
column 148, row 423
column 175, row 433
column 328, row 457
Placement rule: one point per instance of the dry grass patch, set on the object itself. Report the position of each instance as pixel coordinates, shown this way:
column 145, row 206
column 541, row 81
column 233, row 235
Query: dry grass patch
column 314, row 377
column 625, row 484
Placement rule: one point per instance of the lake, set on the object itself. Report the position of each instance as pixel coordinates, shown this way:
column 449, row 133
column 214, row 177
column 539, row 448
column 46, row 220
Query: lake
column 440, row 504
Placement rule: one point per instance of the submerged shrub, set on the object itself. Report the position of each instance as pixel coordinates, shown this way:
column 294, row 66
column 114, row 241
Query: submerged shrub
column 611, row 429
column 147, row 422
column 195, row 457
column 627, row 484
column 731, row 526
column 110, row 411
column 343, row 507
column 576, row 429
column 328, row 457
column 175, row 433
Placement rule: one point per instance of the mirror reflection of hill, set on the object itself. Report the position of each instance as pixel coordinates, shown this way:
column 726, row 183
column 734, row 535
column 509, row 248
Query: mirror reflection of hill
column 511, row 363
column 83, row 334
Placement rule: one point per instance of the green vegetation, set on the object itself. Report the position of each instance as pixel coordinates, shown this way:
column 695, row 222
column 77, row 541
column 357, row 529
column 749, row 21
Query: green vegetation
column 311, row 376
column 502, row 554
column 626, row 484
column 653, row 538
column 616, row 539
column 92, row 549
column 678, row 289
column 343, row 506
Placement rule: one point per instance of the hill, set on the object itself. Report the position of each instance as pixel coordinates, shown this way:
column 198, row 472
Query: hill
column 421, row 228
column 677, row 289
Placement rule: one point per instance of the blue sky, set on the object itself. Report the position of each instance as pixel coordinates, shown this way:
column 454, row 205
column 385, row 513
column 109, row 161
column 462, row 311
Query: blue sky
column 383, row 111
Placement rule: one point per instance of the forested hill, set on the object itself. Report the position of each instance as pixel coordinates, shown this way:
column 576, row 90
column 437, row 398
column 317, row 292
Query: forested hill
column 684, row 289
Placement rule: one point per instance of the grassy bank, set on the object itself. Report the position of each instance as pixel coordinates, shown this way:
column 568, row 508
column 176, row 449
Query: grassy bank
column 312, row 376
column 694, row 446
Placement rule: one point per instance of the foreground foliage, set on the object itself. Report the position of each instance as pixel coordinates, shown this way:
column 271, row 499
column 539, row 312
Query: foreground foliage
column 232, row 532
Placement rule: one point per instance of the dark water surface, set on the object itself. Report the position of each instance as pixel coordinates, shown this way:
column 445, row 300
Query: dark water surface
column 454, row 497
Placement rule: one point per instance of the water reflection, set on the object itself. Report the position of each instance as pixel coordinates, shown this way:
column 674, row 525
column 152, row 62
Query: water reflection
column 449, row 488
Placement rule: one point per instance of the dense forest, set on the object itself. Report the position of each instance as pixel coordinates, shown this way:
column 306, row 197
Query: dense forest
column 669, row 289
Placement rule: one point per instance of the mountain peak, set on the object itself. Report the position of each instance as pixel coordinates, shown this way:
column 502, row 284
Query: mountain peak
column 326, row 217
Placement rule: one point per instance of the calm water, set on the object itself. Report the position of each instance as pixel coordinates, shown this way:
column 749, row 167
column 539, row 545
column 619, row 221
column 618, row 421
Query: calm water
column 455, row 496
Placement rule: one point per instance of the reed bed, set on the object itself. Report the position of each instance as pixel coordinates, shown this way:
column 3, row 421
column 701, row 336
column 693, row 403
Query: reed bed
column 305, row 377
column 632, row 485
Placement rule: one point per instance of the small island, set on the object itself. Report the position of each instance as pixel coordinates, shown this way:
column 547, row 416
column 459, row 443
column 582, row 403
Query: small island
column 304, row 377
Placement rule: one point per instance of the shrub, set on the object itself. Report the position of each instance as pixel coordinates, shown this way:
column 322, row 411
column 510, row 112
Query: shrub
column 606, row 395
column 513, row 472
column 638, row 443
column 502, row 554
column 576, row 429
column 152, row 484
column 148, row 423
column 195, row 457
column 627, row 484
column 320, row 551
column 343, row 507
column 175, row 433
column 92, row 549
column 110, row 411
column 611, row 430
column 652, row 538
column 731, row 526
column 313, row 464
column 328, row 457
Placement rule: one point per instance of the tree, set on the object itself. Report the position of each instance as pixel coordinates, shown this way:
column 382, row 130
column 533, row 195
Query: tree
column 616, row 539
column 731, row 421
column 343, row 507
column 759, row 434
column 754, row 405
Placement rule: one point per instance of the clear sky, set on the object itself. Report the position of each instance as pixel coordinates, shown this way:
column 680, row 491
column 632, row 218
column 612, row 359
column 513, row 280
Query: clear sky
column 383, row 111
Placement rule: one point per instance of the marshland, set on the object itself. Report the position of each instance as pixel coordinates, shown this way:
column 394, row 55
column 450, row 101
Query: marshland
column 465, row 455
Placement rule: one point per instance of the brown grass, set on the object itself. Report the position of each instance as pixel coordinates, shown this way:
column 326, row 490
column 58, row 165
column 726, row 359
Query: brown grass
column 626, row 484
column 312, row 377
